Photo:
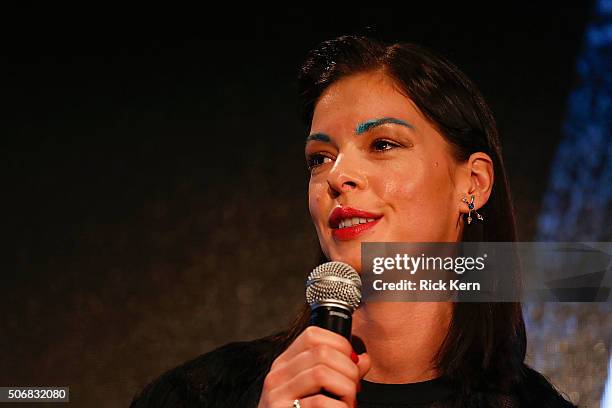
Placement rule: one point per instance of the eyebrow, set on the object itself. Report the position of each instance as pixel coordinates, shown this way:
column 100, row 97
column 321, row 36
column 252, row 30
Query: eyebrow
column 321, row 137
column 371, row 124
column 361, row 128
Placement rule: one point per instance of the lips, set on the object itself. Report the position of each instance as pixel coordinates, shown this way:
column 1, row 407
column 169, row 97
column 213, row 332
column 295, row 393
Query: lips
column 360, row 220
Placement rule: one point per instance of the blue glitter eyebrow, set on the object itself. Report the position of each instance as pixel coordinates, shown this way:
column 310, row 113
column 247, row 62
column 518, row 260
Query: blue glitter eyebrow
column 370, row 124
column 321, row 137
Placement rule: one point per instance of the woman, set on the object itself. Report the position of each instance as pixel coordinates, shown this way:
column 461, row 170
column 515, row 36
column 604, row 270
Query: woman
column 401, row 135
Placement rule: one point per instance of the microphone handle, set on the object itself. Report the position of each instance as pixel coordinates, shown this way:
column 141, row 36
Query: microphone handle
column 332, row 318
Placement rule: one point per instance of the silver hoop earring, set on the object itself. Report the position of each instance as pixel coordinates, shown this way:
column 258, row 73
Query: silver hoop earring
column 470, row 206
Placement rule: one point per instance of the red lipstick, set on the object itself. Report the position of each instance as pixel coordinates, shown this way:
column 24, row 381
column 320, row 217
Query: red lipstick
column 342, row 213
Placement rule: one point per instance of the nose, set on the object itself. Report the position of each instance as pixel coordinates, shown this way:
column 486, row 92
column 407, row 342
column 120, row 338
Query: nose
column 345, row 176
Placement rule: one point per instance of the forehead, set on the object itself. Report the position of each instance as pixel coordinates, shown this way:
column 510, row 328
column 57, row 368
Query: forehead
column 359, row 98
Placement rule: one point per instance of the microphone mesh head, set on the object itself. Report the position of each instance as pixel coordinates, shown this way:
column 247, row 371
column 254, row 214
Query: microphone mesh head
column 335, row 283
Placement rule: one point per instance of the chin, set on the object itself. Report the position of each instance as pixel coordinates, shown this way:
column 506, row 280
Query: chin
column 353, row 259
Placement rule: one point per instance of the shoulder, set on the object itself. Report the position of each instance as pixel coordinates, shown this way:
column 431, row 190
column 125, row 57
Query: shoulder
column 230, row 375
column 531, row 390
column 536, row 390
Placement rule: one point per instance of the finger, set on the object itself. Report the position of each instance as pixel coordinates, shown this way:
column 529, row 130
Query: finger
column 314, row 379
column 364, row 364
column 321, row 401
column 322, row 354
column 313, row 336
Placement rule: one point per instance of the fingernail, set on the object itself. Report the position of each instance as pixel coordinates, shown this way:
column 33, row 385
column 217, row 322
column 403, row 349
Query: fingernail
column 354, row 357
column 359, row 386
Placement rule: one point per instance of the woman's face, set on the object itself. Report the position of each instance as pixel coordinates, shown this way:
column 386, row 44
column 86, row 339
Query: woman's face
column 376, row 160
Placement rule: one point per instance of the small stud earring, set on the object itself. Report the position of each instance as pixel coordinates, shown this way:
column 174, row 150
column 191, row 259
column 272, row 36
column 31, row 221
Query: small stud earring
column 470, row 205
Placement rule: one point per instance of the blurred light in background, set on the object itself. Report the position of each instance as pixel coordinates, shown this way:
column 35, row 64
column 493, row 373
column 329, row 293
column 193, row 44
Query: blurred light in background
column 606, row 401
column 578, row 207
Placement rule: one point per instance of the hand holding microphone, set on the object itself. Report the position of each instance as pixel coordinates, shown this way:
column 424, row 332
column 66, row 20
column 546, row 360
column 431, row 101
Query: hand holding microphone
column 320, row 368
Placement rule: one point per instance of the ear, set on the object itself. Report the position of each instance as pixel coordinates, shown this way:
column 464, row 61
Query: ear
column 476, row 179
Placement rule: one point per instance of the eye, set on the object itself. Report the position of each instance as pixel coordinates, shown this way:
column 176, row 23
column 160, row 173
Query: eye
column 380, row 145
column 317, row 159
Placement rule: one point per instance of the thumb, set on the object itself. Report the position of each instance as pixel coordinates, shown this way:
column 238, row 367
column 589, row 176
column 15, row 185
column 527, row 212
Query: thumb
column 364, row 364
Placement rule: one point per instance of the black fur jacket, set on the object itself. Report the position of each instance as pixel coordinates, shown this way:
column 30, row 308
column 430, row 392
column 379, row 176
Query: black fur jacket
column 233, row 375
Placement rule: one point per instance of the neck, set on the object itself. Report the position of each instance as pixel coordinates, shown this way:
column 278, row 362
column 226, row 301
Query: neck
column 402, row 338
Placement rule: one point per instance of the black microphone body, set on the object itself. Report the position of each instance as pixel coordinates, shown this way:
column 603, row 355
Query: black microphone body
column 334, row 318
column 333, row 291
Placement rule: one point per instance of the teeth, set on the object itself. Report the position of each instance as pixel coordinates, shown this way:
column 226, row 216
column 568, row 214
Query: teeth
column 348, row 222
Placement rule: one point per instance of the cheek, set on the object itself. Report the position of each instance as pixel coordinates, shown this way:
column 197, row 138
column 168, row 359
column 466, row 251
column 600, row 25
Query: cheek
column 315, row 201
column 403, row 182
column 418, row 188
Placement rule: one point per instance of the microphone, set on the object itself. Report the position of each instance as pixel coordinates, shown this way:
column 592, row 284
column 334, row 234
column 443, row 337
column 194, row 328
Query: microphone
column 333, row 291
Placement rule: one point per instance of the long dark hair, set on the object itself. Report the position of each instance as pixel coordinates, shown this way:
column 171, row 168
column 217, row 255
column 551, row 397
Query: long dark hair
column 484, row 349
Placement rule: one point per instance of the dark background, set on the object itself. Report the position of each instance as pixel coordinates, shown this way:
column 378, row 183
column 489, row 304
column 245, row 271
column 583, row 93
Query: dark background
column 156, row 195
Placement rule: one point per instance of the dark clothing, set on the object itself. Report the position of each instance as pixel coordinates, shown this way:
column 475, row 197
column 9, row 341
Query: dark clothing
column 233, row 375
column 422, row 394
column 230, row 376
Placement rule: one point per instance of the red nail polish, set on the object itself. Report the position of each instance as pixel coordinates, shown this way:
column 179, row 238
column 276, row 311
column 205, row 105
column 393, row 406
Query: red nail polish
column 354, row 357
